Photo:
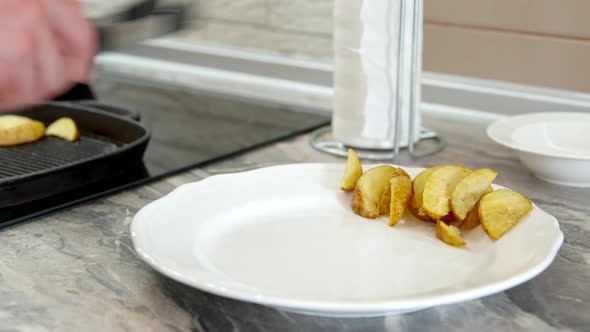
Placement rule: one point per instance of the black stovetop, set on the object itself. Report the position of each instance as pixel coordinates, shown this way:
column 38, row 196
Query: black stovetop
column 188, row 130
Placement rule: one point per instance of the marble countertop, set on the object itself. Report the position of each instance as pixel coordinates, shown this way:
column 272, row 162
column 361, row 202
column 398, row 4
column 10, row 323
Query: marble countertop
column 76, row 270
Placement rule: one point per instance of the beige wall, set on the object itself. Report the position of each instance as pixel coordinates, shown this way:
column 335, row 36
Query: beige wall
column 299, row 28
column 538, row 42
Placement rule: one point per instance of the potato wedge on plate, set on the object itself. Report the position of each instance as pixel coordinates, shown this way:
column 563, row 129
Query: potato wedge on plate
column 469, row 190
column 418, row 186
column 436, row 198
column 352, row 172
column 400, row 194
column 386, row 198
column 450, row 217
column 471, row 220
column 369, row 191
column 449, row 234
column 420, row 213
column 500, row 210
column 418, row 189
column 64, row 128
column 16, row 129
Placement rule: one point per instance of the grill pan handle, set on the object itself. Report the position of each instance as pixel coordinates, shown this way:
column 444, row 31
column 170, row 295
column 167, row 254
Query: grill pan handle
column 116, row 110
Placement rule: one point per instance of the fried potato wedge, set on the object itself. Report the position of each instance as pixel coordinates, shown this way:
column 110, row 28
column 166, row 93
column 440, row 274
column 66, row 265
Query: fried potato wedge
column 418, row 186
column 16, row 129
column 418, row 189
column 438, row 189
column 386, row 198
column 420, row 213
column 449, row 234
column 469, row 190
column 401, row 193
column 64, row 128
column 385, row 201
column 450, row 217
column 472, row 219
column 352, row 172
column 369, row 190
column 500, row 210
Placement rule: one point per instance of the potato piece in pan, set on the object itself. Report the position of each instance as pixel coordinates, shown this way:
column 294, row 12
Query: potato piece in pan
column 352, row 172
column 64, row 128
column 500, row 210
column 16, row 129
column 438, row 189
column 469, row 190
column 401, row 193
column 369, row 190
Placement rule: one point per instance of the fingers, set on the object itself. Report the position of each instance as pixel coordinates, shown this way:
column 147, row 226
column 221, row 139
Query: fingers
column 51, row 79
column 45, row 47
column 17, row 69
column 17, row 54
column 76, row 37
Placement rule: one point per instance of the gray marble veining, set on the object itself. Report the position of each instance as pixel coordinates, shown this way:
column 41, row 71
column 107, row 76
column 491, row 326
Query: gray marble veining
column 76, row 270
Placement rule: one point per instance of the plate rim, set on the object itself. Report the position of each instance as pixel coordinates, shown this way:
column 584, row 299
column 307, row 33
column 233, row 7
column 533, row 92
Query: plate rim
column 511, row 123
column 393, row 305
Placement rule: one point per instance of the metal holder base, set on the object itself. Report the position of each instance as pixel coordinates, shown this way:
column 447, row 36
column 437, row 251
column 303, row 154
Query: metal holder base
column 321, row 140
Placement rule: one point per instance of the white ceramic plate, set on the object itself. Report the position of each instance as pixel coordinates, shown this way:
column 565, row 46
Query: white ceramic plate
column 285, row 237
column 554, row 146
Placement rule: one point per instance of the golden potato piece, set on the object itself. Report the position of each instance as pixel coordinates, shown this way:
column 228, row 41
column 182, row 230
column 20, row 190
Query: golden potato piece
column 401, row 193
column 449, row 234
column 64, row 128
column 386, row 198
column 369, row 190
column 420, row 213
column 500, row 210
column 438, row 189
column 449, row 217
column 16, row 129
column 472, row 219
column 418, row 186
column 418, row 189
column 469, row 190
column 385, row 201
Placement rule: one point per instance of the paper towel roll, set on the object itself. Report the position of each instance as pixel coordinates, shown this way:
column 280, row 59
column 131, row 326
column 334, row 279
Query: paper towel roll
column 366, row 52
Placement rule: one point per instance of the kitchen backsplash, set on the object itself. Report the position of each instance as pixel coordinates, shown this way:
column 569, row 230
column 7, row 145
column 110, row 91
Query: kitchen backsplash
column 301, row 28
column 536, row 42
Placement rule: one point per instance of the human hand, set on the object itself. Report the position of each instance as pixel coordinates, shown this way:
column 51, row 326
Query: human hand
column 46, row 46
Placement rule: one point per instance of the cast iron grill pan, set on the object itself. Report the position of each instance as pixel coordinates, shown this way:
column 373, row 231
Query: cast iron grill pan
column 109, row 145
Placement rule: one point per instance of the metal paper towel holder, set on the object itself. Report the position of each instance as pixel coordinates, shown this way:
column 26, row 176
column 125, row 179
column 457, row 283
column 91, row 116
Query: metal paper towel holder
column 320, row 139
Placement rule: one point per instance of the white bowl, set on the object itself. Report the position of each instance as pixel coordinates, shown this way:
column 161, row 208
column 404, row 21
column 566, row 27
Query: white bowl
column 554, row 146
